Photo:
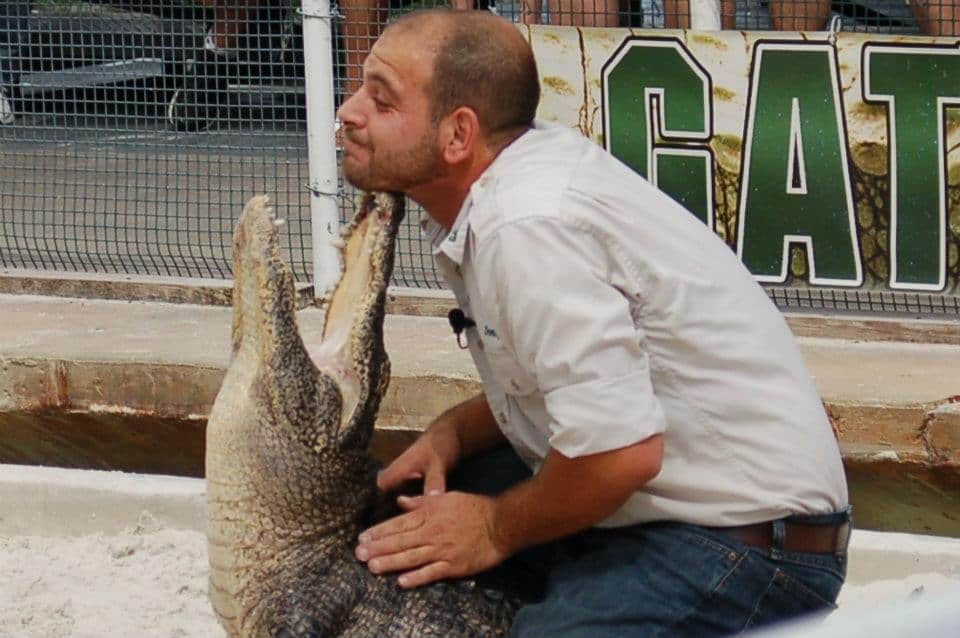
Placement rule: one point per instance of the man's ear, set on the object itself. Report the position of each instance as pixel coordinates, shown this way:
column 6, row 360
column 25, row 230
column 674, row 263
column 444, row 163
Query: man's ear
column 459, row 135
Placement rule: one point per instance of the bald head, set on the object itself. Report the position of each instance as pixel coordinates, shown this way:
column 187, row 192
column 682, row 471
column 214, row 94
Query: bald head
column 480, row 61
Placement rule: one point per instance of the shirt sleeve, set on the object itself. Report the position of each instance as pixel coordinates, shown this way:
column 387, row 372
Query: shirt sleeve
column 573, row 331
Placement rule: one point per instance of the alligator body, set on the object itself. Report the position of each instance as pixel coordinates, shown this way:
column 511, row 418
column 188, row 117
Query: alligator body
column 289, row 476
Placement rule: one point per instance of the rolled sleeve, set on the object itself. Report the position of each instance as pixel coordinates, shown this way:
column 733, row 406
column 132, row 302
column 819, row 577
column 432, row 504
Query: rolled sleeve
column 572, row 331
column 604, row 414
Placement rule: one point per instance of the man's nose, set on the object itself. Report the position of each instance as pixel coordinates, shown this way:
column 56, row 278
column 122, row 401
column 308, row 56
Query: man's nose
column 348, row 112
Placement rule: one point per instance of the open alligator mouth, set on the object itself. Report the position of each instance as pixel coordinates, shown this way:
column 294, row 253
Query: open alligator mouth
column 351, row 349
column 287, row 436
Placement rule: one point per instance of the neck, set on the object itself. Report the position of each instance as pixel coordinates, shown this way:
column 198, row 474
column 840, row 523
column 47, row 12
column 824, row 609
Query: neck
column 443, row 197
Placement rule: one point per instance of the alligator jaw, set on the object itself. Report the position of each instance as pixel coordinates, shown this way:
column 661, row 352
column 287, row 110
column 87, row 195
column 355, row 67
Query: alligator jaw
column 351, row 355
column 352, row 346
column 264, row 297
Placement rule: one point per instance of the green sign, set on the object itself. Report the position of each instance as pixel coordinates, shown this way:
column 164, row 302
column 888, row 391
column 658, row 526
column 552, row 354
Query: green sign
column 801, row 200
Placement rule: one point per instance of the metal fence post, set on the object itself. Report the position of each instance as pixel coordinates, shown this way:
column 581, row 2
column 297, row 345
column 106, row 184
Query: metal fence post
column 321, row 150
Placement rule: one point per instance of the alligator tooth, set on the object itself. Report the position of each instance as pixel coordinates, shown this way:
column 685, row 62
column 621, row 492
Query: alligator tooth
column 338, row 242
column 279, row 222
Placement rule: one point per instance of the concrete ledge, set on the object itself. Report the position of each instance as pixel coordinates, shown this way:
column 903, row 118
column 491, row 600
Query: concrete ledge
column 48, row 501
column 21, row 281
column 423, row 302
column 115, row 384
column 181, row 290
column 167, row 360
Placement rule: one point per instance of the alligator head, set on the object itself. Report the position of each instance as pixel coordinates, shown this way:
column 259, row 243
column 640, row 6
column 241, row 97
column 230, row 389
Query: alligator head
column 288, row 473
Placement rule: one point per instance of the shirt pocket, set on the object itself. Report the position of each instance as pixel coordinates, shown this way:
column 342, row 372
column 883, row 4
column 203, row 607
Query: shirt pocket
column 506, row 370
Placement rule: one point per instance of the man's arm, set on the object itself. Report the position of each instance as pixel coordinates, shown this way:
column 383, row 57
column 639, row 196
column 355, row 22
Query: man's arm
column 464, row 430
column 455, row 534
column 568, row 495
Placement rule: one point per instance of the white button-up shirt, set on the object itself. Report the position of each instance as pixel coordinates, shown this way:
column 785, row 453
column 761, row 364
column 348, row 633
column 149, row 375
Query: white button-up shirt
column 606, row 313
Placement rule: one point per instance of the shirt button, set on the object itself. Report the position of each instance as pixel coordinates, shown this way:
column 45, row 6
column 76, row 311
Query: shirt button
column 501, row 417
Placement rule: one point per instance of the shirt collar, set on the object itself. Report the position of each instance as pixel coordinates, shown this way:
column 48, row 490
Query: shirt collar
column 452, row 243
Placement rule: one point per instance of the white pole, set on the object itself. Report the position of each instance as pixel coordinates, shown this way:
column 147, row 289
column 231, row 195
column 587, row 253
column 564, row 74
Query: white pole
column 321, row 150
column 705, row 15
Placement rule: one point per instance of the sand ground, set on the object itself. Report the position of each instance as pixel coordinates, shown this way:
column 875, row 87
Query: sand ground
column 149, row 581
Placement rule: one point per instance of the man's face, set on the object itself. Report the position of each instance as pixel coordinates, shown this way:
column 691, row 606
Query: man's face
column 389, row 135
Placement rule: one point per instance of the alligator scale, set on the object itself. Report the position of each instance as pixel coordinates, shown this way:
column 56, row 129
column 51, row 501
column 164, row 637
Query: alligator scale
column 288, row 473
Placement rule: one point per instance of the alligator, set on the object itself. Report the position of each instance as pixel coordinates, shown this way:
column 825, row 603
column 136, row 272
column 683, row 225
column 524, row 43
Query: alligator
column 289, row 476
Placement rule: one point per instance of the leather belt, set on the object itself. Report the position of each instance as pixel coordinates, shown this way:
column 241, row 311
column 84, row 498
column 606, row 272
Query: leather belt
column 811, row 539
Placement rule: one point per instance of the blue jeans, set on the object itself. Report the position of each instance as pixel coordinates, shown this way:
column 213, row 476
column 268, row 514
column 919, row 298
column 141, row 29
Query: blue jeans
column 657, row 579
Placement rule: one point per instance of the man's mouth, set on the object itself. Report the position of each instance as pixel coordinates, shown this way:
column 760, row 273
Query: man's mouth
column 350, row 142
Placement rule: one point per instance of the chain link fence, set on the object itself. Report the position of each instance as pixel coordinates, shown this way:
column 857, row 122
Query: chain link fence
column 134, row 142
column 131, row 133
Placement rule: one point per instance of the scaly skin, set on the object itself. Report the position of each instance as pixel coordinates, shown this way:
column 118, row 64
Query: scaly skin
column 288, row 472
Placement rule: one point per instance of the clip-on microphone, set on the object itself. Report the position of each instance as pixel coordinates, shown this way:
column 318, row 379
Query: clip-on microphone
column 459, row 322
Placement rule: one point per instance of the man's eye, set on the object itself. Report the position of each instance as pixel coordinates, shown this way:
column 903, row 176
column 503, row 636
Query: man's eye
column 380, row 104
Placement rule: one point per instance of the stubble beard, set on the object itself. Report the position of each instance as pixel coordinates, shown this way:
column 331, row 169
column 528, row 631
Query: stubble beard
column 398, row 171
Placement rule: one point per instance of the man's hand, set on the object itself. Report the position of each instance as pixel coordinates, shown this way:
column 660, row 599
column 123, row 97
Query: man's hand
column 461, row 431
column 429, row 458
column 440, row 536
column 455, row 534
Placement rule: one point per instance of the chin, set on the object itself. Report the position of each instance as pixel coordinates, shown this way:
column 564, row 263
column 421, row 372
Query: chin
column 368, row 184
column 361, row 182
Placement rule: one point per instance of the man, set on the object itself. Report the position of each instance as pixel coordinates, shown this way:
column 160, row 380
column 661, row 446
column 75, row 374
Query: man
column 679, row 450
